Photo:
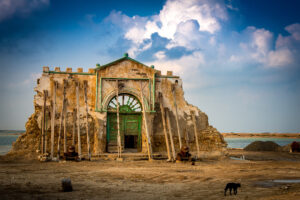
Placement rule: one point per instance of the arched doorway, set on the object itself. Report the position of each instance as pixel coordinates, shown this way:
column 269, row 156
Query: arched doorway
column 130, row 110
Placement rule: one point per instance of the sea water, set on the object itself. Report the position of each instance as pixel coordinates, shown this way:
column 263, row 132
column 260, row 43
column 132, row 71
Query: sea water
column 243, row 142
column 8, row 137
column 6, row 140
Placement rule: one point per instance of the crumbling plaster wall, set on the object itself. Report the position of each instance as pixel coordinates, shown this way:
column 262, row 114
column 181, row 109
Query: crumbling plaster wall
column 46, row 83
column 209, row 138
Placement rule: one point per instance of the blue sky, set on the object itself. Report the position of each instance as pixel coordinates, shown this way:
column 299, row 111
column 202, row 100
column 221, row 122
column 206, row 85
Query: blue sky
column 239, row 60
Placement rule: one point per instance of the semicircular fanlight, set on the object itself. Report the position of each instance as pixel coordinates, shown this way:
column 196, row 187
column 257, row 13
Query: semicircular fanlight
column 127, row 103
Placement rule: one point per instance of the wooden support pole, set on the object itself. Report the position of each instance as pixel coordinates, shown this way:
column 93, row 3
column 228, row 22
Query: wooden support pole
column 53, row 118
column 176, row 116
column 149, row 147
column 87, row 122
column 196, row 133
column 65, row 117
column 59, row 132
column 65, row 128
column 78, row 120
column 40, row 138
column 74, row 127
column 61, row 120
column 187, row 138
column 42, row 128
column 118, row 121
column 46, row 129
column 164, row 126
column 171, row 135
column 44, row 120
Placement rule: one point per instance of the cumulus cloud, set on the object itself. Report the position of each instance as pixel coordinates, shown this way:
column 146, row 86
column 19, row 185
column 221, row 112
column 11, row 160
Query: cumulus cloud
column 9, row 8
column 186, row 37
column 181, row 22
column 187, row 66
column 190, row 62
column 260, row 47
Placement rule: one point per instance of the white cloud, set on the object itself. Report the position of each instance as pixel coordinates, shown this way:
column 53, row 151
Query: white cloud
column 261, row 42
column 195, row 25
column 179, row 65
column 180, row 21
column 206, row 13
column 187, row 35
column 160, row 55
column 8, row 8
column 261, row 50
column 294, row 30
column 279, row 58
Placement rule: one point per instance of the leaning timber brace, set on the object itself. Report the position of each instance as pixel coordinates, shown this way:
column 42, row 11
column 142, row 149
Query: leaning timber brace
column 87, row 122
column 78, row 120
column 61, row 121
column 164, row 126
column 176, row 116
column 149, row 147
column 196, row 132
column 118, row 120
column 53, row 118
column 46, row 129
column 44, row 120
column 74, row 127
column 65, row 118
column 171, row 135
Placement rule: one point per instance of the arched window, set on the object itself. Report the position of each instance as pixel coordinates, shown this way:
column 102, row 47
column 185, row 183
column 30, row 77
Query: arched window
column 127, row 103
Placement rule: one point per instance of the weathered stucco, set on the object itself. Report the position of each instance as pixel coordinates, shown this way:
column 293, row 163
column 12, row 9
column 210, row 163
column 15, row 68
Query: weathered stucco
column 101, row 88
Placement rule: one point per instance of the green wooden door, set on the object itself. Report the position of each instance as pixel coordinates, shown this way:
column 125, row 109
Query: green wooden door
column 130, row 130
column 130, row 122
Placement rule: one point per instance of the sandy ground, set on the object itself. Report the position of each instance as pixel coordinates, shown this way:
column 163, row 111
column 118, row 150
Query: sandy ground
column 103, row 179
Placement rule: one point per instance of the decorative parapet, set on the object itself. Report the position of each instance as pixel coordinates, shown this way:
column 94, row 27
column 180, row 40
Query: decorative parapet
column 169, row 73
column 45, row 69
column 57, row 69
column 69, row 70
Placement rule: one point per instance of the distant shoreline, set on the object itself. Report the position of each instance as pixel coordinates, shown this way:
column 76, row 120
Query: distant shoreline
column 261, row 135
column 12, row 132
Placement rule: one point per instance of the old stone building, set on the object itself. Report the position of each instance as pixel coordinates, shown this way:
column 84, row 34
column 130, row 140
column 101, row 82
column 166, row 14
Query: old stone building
column 123, row 106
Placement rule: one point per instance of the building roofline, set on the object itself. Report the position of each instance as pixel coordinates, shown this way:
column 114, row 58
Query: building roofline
column 125, row 57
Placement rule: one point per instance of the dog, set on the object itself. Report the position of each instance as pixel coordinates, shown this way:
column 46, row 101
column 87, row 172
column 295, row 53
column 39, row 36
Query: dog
column 231, row 186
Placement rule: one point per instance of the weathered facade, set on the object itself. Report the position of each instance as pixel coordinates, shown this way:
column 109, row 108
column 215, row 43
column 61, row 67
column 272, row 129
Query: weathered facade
column 123, row 98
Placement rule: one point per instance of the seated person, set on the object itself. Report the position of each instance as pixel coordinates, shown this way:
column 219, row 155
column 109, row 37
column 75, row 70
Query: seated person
column 295, row 147
column 184, row 154
column 71, row 154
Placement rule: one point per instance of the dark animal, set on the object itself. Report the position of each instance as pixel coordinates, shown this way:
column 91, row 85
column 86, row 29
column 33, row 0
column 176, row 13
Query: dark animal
column 231, row 186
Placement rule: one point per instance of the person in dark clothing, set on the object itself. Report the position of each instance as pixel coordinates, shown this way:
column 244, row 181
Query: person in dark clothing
column 184, row 154
column 71, row 154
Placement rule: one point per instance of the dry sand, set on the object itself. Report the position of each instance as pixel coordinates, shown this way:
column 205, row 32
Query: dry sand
column 104, row 179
